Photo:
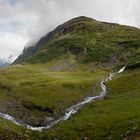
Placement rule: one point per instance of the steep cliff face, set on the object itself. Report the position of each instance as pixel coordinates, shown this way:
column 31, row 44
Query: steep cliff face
column 89, row 40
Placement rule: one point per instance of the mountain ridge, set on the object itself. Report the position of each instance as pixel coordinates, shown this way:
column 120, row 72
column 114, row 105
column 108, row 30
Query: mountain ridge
column 5, row 62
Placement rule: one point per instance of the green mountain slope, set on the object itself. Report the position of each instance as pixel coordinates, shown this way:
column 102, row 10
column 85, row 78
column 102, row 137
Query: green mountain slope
column 89, row 41
column 117, row 117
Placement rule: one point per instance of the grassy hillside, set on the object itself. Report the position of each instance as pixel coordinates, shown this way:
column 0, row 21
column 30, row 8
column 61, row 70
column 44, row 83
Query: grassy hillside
column 90, row 41
column 116, row 117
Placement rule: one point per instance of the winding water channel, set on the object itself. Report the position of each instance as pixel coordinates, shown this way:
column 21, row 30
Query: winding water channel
column 69, row 111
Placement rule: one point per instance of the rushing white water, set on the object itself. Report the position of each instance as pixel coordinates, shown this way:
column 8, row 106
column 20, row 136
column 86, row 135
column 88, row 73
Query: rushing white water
column 69, row 111
column 121, row 70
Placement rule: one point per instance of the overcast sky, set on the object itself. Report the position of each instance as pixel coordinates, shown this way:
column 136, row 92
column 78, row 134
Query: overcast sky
column 23, row 21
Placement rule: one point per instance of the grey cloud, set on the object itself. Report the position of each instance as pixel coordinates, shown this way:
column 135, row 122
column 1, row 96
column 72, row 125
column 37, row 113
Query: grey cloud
column 35, row 18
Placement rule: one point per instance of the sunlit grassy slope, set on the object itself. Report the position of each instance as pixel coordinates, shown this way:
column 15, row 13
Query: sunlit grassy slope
column 116, row 117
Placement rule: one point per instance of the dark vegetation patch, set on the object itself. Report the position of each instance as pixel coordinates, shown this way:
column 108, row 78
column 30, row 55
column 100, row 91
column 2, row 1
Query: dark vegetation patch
column 4, row 86
column 133, row 66
column 32, row 106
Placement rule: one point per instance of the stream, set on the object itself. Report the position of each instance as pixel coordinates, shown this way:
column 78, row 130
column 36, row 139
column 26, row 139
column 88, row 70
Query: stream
column 69, row 111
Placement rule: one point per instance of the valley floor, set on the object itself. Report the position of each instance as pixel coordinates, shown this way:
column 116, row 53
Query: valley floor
column 42, row 93
column 117, row 117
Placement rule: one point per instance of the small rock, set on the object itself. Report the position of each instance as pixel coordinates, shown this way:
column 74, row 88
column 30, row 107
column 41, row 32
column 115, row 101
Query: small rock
column 85, row 138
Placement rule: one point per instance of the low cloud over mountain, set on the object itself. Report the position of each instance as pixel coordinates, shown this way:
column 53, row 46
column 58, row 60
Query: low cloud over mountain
column 28, row 20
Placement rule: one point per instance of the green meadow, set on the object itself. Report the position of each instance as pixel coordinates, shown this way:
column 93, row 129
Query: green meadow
column 116, row 117
column 30, row 93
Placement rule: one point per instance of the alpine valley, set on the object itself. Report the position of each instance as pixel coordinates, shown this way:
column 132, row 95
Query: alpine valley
column 81, row 81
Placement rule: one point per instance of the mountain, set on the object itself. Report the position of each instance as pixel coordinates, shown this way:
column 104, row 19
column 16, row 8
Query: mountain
column 4, row 62
column 64, row 71
column 89, row 41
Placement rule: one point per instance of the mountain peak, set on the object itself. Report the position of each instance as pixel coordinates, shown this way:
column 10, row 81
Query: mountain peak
column 81, row 18
column 88, row 40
